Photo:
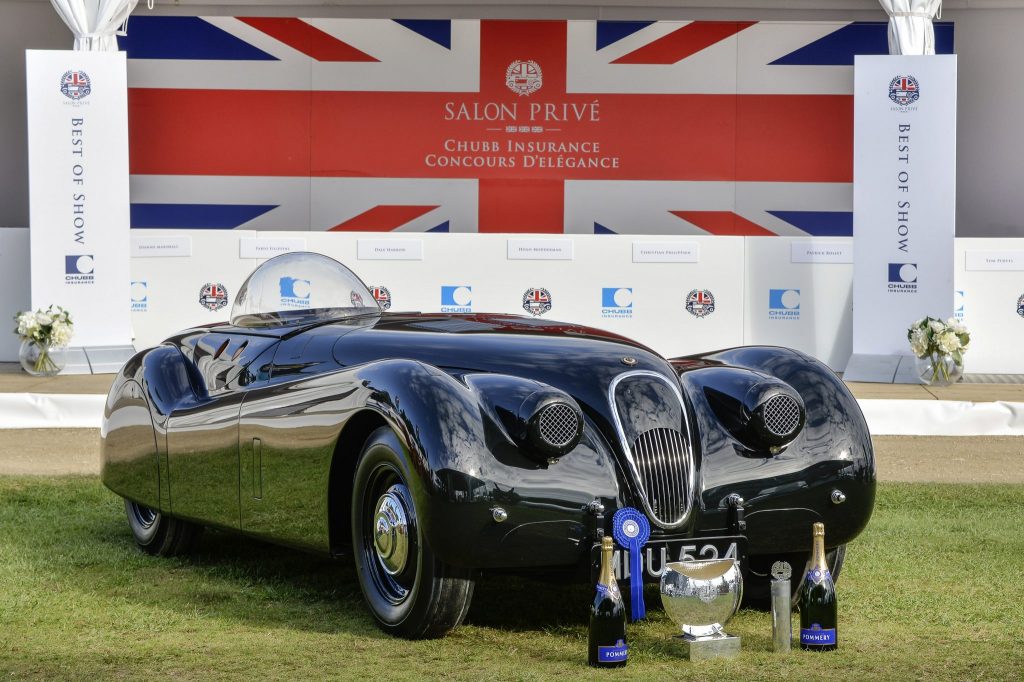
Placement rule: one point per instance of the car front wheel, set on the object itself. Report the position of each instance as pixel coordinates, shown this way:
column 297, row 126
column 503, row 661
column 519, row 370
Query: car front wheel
column 158, row 534
column 410, row 592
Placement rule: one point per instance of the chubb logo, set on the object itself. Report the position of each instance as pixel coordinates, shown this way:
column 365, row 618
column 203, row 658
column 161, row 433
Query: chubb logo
column 617, row 302
column 958, row 305
column 904, row 90
column 75, row 85
column 79, row 270
column 902, row 278
column 524, row 77
column 295, row 292
column 456, row 298
column 140, row 297
column 783, row 304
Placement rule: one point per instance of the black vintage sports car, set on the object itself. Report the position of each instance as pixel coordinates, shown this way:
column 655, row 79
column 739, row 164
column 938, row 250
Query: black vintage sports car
column 434, row 446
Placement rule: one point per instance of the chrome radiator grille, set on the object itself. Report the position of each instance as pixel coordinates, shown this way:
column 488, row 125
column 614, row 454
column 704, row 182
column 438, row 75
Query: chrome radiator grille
column 663, row 466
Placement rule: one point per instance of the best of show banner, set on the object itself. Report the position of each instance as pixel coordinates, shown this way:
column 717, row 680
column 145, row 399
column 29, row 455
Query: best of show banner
column 904, row 197
column 78, row 190
column 585, row 127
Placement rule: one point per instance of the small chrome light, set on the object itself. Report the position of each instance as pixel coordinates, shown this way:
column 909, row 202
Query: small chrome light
column 498, row 514
column 838, row 497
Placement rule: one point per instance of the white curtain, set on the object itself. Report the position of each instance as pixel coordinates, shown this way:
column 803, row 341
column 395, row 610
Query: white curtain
column 95, row 23
column 910, row 25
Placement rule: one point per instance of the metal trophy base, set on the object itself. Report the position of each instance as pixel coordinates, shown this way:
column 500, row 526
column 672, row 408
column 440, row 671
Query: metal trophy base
column 713, row 646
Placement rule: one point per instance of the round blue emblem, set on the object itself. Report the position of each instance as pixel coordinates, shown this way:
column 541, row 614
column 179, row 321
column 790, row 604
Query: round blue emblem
column 75, row 85
column 904, row 90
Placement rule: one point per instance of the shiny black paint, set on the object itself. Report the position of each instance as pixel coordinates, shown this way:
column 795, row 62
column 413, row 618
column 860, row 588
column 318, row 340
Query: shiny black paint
column 259, row 433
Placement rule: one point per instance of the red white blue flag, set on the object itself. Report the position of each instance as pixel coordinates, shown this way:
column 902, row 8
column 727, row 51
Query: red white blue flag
column 268, row 123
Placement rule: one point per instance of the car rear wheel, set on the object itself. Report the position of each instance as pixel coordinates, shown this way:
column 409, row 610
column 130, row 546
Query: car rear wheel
column 410, row 592
column 757, row 585
column 158, row 534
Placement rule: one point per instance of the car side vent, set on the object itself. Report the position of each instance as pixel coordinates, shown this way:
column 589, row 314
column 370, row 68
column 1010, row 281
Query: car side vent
column 782, row 415
column 663, row 465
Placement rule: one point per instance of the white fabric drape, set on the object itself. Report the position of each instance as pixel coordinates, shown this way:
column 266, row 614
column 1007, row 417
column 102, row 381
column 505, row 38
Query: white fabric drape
column 95, row 23
column 910, row 25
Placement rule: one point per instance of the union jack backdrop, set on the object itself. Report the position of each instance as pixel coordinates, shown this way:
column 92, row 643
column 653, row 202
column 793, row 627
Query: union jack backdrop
column 268, row 123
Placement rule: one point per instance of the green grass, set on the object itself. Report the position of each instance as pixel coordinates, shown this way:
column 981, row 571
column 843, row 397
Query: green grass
column 933, row 590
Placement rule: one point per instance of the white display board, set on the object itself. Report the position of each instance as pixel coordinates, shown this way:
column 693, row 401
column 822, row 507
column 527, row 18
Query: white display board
column 990, row 279
column 903, row 196
column 600, row 285
column 800, row 295
column 748, row 278
column 78, row 189
column 14, row 286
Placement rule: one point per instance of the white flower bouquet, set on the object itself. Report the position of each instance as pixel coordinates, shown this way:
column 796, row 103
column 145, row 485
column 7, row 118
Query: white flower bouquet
column 942, row 342
column 50, row 328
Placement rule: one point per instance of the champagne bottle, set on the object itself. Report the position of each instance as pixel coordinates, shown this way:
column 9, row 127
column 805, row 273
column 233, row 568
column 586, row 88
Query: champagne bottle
column 818, row 600
column 607, row 617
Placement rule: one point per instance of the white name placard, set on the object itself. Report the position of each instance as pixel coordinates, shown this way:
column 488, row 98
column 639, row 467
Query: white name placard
column 994, row 260
column 253, row 247
column 540, row 249
column 161, row 247
column 389, row 249
column 666, row 252
column 821, row 252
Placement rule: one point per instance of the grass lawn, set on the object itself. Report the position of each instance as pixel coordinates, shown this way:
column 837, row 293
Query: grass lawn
column 933, row 590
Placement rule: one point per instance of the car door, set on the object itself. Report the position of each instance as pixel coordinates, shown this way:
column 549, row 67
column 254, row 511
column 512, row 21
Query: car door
column 202, row 437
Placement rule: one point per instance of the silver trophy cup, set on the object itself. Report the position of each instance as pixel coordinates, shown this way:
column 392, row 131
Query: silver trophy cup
column 701, row 597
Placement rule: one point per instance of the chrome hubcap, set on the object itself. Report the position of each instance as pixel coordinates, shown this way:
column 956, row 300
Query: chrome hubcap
column 391, row 533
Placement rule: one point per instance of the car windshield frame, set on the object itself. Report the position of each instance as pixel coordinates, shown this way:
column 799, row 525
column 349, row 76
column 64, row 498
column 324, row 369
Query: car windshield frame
column 253, row 307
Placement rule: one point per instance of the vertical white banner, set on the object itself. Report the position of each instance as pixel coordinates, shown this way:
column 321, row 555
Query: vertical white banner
column 904, row 197
column 78, row 190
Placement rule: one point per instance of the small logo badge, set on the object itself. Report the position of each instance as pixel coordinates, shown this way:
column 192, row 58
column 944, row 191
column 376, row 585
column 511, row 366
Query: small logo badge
column 537, row 301
column 456, row 299
column 1020, row 305
column 75, row 85
column 357, row 299
column 524, row 77
column 902, row 278
column 617, row 302
column 904, row 90
column 700, row 303
column 958, row 305
column 382, row 296
column 213, row 296
column 783, row 304
column 295, row 292
column 140, row 297
column 79, row 270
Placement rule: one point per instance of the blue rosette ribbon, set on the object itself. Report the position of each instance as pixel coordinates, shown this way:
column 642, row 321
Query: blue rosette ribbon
column 631, row 530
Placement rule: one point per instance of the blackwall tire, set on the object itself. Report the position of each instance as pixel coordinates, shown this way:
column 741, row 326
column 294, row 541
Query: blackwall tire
column 410, row 592
column 757, row 585
column 158, row 534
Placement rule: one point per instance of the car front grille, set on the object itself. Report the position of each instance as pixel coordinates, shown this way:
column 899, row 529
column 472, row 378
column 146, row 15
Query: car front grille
column 661, row 459
column 653, row 429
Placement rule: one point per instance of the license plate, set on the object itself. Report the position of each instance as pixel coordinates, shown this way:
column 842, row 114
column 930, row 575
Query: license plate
column 657, row 553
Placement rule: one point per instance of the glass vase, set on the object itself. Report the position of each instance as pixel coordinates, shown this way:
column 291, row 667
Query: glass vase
column 41, row 359
column 939, row 369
